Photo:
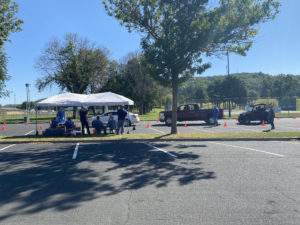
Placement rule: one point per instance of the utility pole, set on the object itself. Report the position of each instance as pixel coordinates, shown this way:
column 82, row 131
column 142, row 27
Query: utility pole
column 27, row 102
column 229, row 105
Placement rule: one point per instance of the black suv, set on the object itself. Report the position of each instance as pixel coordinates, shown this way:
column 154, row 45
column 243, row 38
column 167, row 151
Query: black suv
column 255, row 112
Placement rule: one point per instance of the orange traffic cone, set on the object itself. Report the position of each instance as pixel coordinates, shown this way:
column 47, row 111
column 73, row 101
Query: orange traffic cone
column 294, row 117
column 278, row 117
column 225, row 124
column 185, row 124
column 237, row 119
column 26, row 124
column 157, row 121
column 263, row 123
column 41, row 127
column 148, row 125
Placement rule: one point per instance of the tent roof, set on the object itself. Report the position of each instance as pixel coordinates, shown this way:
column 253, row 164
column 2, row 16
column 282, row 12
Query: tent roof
column 107, row 99
column 100, row 99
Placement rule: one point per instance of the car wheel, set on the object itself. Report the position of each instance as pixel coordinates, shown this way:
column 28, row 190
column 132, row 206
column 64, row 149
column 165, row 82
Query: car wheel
column 168, row 121
column 210, row 121
column 247, row 121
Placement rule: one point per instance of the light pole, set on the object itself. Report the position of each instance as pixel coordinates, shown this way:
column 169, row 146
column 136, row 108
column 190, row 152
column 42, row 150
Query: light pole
column 27, row 102
column 229, row 107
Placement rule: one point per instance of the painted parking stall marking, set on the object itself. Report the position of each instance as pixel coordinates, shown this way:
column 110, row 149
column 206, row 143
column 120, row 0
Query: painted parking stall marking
column 251, row 149
column 29, row 132
column 7, row 147
column 162, row 150
column 75, row 151
column 157, row 130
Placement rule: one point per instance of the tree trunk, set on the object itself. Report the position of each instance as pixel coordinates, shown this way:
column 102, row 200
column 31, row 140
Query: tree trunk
column 174, row 104
column 229, row 108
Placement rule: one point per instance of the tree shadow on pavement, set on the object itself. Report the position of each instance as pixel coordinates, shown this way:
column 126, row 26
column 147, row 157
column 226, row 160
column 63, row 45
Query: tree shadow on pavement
column 42, row 177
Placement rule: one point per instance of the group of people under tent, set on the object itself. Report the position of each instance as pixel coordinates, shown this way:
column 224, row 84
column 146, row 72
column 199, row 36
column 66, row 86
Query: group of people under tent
column 113, row 125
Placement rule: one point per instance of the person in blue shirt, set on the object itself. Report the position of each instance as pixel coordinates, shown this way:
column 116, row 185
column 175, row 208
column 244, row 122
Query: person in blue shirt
column 54, row 123
column 215, row 112
column 83, row 113
column 98, row 125
column 69, row 124
column 61, row 116
column 112, row 124
column 122, row 113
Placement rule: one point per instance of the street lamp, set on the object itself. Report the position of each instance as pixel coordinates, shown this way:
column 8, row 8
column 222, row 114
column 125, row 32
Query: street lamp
column 229, row 107
column 27, row 102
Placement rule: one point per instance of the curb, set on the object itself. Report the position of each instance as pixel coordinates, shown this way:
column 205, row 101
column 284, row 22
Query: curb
column 153, row 140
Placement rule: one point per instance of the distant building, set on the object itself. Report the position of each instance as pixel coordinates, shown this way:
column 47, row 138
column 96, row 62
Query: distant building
column 10, row 111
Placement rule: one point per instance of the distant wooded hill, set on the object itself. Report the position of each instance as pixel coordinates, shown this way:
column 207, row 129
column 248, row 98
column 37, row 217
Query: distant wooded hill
column 240, row 85
column 253, row 81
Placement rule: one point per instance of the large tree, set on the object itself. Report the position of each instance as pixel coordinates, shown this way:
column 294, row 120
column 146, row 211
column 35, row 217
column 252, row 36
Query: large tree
column 177, row 33
column 229, row 88
column 9, row 23
column 132, row 79
column 74, row 65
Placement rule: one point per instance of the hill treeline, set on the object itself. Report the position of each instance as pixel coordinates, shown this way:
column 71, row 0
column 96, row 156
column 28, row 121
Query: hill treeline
column 240, row 87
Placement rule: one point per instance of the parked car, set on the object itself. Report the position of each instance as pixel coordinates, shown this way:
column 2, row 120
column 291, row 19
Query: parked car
column 190, row 112
column 255, row 112
column 130, row 119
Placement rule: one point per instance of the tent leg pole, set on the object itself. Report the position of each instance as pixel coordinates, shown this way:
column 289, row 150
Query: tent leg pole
column 36, row 130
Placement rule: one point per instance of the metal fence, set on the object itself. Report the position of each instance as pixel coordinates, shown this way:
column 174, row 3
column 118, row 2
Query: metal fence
column 237, row 105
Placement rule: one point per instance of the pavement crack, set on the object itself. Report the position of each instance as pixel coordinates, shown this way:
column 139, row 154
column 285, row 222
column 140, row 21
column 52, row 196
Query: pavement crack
column 128, row 208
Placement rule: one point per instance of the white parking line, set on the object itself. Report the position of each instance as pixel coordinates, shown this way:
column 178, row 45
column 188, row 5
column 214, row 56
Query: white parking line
column 251, row 149
column 7, row 147
column 29, row 132
column 175, row 156
column 157, row 130
column 75, row 151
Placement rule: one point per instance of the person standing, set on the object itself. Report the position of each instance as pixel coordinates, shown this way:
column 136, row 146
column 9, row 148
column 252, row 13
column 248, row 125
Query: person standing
column 122, row 113
column 271, row 116
column 215, row 112
column 84, row 120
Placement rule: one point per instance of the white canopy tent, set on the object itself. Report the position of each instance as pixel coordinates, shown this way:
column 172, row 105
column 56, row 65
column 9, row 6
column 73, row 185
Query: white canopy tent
column 66, row 99
column 107, row 99
column 99, row 99
column 71, row 99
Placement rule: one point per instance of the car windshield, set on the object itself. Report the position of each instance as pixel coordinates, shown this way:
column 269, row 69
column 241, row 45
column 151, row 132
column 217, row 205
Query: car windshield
column 250, row 108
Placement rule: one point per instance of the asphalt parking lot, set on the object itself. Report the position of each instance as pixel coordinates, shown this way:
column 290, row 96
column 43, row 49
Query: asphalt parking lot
column 151, row 183
column 281, row 125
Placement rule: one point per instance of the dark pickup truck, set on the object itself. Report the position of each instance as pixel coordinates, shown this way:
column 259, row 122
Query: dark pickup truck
column 255, row 112
column 190, row 112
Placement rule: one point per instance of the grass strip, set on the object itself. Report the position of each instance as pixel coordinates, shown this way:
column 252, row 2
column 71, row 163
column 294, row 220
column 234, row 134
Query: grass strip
column 195, row 136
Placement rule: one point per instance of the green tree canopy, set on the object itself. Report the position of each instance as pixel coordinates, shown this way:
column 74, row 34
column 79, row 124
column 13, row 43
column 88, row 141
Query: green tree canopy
column 9, row 23
column 74, row 65
column 177, row 33
column 134, row 81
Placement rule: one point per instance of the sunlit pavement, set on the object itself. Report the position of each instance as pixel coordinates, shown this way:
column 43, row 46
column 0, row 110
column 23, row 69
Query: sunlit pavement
column 151, row 183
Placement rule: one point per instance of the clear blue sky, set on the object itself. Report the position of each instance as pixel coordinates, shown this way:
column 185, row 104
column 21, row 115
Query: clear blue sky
column 277, row 49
